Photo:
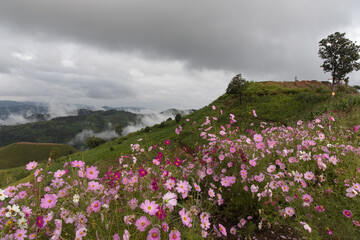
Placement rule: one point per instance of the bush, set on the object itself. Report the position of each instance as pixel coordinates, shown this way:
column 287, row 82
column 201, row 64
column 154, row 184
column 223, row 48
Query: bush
column 178, row 118
column 93, row 142
column 237, row 85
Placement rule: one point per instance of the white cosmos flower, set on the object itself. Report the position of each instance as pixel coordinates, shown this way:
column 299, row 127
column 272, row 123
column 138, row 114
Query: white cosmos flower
column 76, row 198
column 169, row 200
column 2, row 195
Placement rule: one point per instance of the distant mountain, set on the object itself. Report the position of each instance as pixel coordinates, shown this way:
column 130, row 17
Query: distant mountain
column 23, row 109
column 63, row 129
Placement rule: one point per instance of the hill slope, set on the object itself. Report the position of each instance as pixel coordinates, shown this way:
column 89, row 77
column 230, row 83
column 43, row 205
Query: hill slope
column 19, row 154
column 278, row 102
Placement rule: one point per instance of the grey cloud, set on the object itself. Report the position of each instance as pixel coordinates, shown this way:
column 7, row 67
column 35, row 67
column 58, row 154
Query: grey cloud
column 253, row 36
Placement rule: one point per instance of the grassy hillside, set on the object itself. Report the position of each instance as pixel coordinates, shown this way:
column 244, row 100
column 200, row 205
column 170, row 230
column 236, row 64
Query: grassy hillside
column 268, row 146
column 19, row 154
column 277, row 102
column 14, row 157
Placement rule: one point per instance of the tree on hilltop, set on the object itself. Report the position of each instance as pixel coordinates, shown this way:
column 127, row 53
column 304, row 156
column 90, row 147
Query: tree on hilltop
column 237, row 85
column 340, row 55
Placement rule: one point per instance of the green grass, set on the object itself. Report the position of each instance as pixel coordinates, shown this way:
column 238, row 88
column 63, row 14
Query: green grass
column 14, row 157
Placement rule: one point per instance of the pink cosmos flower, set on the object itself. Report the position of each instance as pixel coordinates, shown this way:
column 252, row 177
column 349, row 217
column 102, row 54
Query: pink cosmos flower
column 93, row 185
column 133, row 203
column 356, row 128
column 142, row 223
column 289, row 211
column 59, row 173
column 165, row 227
column 80, row 233
column 32, row 236
column 307, row 198
column 309, row 176
column 183, row 187
column 95, row 206
column 258, row 138
column 154, row 234
column 126, row 235
column 306, row 226
column 242, row 223
column 31, row 165
column 167, row 142
column 254, row 189
column 77, row 163
column 174, row 235
column 48, row 201
column 57, row 182
column 350, row 192
column 205, row 224
column 92, row 172
column 271, row 168
column 197, row 187
column 186, row 219
column 20, row 234
column 149, row 207
column 254, row 113
column 211, row 192
column 347, row 213
column 222, row 229
column 22, row 194
column 357, row 223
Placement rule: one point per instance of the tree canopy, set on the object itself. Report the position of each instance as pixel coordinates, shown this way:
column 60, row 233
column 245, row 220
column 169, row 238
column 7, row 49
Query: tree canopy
column 340, row 56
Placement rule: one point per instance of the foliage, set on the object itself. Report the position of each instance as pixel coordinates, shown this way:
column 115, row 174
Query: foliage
column 93, row 142
column 178, row 117
column 118, row 129
column 237, row 85
column 340, row 55
column 54, row 153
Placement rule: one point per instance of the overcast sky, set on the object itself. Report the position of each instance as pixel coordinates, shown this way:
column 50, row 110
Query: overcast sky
column 161, row 54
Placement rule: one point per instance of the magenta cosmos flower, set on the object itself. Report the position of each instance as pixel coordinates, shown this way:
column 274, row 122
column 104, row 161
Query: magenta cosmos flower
column 40, row 221
column 174, row 235
column 320, row 208
column 48, row 201
column 347, row 213
column 142, row 172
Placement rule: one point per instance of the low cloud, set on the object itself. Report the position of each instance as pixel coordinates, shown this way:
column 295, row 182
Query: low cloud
column 148, row 117
column 15, row 119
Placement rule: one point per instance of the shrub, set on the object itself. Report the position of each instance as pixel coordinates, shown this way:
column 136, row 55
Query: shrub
column 237, row 85
column 93, row 142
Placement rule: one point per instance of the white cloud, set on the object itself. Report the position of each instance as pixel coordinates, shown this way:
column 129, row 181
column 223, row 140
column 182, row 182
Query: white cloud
column 23, row 56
